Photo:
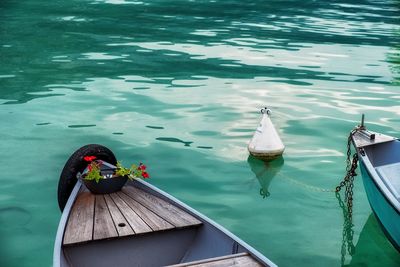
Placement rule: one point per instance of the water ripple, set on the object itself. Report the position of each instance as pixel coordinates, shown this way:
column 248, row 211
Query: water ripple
column 179, row 84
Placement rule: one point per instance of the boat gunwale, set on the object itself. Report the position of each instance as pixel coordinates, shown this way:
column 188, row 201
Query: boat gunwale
column 58, row 243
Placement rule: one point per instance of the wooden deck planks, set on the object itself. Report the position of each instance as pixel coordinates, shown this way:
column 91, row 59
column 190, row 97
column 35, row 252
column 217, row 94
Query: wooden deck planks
column 80, row 222
column 122, row 225
column 241, row 259
column 103, row 223
column 167, row 211
column 137, row 224
column 155, row 222
column 128, row 212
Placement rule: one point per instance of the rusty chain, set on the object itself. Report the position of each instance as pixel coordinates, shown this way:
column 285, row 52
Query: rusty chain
column 347, row 205
column 348, row 180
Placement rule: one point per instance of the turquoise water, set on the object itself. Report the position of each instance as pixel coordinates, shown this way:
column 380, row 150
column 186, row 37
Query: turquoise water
column 178, row 85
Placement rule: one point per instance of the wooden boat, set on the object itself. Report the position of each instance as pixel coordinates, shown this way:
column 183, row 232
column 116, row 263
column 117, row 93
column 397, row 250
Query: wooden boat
column 379, row 157
column 266, row 143
column 139, row 226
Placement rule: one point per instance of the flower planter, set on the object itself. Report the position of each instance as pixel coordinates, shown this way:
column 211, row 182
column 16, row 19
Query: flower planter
column 101, row 177
column 106, row 186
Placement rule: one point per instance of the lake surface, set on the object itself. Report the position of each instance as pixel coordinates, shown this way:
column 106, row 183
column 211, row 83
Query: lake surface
column 178, row 85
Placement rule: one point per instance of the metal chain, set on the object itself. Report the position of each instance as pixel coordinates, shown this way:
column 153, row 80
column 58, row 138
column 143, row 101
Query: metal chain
column 348, row 180
column 348, row 183
column 347, row 233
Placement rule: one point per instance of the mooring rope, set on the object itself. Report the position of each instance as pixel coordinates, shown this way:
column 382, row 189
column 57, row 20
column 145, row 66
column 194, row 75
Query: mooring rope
column 304, row 185
column 347, row 182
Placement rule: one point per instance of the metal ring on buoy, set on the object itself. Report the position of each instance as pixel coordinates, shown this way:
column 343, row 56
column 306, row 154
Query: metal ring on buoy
column 266, row 110
column 76, row 164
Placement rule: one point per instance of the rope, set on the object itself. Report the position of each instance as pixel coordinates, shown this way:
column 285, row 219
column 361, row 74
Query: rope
column 347, row 181
column 304, row 185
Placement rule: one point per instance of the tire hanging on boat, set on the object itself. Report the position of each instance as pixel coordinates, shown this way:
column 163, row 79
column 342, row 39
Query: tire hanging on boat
column 76, row 164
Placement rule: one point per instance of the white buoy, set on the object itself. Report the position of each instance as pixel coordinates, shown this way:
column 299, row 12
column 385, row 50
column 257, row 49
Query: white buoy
column 266, row 143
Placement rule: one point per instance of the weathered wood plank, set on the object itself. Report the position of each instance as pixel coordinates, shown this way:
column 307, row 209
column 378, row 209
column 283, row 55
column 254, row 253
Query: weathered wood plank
column 167, row 211
column 241, row 259
column 155, row 222
column 103, row 224
column 80, row 222
column 135, row 222
column 244, row 261
column 95, row 217
column 122, row 225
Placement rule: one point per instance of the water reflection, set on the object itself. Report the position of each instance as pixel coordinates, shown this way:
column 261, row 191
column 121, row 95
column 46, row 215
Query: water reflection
column 174, row 140
column 20, row 215
column 371, row 245
column 265, row 171
column 288, row 42
column 184, row 77
column 347, row 232
column 393, row 57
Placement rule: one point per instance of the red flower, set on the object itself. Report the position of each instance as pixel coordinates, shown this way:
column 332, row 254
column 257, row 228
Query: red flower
column 145, row 175
column 89, row 158
column 142, row 167
column 90, row 167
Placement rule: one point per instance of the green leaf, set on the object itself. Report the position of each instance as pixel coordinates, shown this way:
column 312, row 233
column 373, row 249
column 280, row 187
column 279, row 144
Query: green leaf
column 94, row 174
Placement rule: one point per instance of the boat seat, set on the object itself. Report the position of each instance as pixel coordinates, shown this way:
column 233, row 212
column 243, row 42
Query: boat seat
column 128, row 212
column 390, row 175
column 240, row 259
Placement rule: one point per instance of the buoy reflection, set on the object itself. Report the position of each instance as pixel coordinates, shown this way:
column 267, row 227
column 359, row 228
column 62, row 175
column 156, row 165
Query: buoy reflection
column 265, row 171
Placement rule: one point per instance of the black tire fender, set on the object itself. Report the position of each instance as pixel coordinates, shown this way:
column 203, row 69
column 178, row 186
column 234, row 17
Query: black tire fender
column 76, row 164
